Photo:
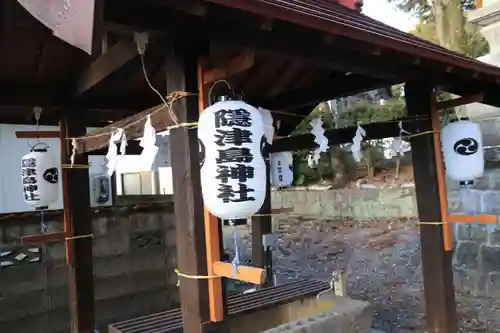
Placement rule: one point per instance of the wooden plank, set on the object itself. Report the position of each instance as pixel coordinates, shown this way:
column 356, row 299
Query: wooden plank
column 213, row 232
column 43, row 238
column 182, row 75
column 441, row 177
column 436, row 262
column 105, row 66
column 243, row 273
column 481, row 219
column 37, row 134
column 78, row 222
column 232, row 67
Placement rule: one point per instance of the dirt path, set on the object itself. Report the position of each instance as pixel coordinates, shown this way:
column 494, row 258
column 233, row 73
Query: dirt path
column 382, row 263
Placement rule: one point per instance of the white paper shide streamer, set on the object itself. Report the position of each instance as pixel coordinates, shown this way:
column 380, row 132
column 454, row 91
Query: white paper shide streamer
column 282, row 169
column 397, row 147
column 320, row 139
column 356, row 143
column 267, row 117
column 112, row 155
column 40, row 178
column 233, row 172
column 463, row 154
column 148, row 143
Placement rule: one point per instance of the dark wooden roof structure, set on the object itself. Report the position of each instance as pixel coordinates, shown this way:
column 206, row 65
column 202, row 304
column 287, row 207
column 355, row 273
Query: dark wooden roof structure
column 295, row 54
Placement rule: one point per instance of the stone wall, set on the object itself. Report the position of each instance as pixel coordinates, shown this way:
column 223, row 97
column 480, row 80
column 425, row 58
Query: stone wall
column 134, row 259
column 477, row 248
column 363, row 203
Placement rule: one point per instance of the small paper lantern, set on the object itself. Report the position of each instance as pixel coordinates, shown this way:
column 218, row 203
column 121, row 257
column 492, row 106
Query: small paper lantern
column 463, row 154
column 233, row 171
column 282, row 169
column 40, row 178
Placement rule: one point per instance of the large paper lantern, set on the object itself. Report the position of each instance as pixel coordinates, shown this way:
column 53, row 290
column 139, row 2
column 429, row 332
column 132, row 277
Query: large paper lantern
column 282, row 169
column 463, row 154
column 40, row 178
column 233, row 172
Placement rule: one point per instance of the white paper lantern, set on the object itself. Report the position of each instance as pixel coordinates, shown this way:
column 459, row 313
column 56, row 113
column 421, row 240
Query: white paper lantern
column 463, row 154
column 40, row 178
column 233, row 171
column 282, row 169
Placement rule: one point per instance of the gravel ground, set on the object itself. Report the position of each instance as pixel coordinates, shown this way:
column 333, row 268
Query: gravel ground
column 382, row 263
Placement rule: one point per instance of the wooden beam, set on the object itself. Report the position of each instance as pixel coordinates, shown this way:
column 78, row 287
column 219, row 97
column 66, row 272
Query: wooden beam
column 436, row 262
column 455, row 102
column 232, row 67
column 182, row 75
column 338, row 85
column 37, row 134
column 105, row 66
column 343, row 135
column 78, row 222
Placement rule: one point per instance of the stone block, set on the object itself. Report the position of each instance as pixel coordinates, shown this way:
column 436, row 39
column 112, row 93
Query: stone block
column 147, row 259
column 494, row 178
column 116, row 243
column 113, row 287
column 466, row 280
column 471, row 232
column 39, row 323
column 471, row 200
column 466, row 255
column 276, row 199
column 493, row 235
column 454, row 201
column 493, row 285
column 490, row 256
column 17, row 280
column 23, row 305
column 111, row 266
column 491, row 202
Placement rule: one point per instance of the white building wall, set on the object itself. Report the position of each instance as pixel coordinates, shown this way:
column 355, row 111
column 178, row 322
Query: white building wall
column 13, row 149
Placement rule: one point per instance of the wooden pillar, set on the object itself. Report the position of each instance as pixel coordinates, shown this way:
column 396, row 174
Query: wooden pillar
column 261, row 225
column 78, row 226
column 213, row 229
column 181, row 69
column 436, row 262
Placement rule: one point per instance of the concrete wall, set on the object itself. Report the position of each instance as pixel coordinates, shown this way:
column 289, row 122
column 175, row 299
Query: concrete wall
column 134, row 262
column 13, row 149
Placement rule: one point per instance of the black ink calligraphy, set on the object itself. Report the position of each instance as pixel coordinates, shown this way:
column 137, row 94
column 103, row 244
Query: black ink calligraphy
column 228, row 194
column 238, row 117
column 235, row 136
column 240, row 172
column 234, row 155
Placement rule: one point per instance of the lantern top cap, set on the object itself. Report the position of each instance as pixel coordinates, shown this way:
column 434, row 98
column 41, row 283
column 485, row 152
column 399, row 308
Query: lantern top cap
column 459, row 119
column 229, row 97
column 40, row 147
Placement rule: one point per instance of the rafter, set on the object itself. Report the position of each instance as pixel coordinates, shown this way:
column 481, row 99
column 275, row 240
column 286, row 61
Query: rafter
column 103, row 68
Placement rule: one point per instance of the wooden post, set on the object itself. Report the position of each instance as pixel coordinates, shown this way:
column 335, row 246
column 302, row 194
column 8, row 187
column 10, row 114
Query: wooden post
column 261, row 225
column 78, row 227
column 182, row 75
column 436, row 262
column 213, row 228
